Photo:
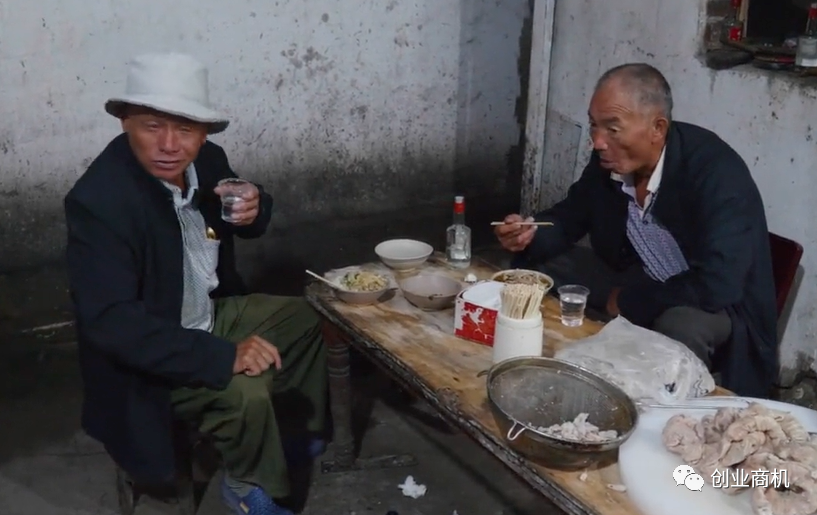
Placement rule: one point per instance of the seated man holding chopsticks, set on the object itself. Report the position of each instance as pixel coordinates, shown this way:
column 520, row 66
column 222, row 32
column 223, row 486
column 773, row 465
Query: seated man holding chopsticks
column 677, row 228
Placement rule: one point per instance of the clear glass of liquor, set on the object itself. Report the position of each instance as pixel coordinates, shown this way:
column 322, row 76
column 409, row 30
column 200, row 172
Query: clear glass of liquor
column 572, row 302
column 234, row 191
column 458, row 238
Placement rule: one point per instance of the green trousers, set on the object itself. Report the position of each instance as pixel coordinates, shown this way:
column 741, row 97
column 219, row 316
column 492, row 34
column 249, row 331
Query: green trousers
column 241, row 418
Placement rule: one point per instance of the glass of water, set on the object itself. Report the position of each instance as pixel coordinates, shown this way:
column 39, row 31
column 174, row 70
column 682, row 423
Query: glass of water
column 572, row 301
column 234, row 191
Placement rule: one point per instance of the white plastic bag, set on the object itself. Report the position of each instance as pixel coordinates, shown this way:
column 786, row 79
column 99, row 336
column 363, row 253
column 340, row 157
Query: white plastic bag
column 647, row 365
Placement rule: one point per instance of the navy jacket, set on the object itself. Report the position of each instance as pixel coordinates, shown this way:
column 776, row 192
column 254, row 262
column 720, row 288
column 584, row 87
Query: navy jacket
column 711, row 205
column 125, row 268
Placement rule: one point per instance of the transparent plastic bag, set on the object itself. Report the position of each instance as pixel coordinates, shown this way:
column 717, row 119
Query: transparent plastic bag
column 647, row 365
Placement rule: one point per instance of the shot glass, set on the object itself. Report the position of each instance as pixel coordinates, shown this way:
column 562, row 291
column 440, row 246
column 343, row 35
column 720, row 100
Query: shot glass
column 233, row 194
column 572, row 302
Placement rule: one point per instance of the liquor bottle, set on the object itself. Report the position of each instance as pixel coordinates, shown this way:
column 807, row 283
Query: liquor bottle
column 458, row 238
column 807, row 43
column 732, row 26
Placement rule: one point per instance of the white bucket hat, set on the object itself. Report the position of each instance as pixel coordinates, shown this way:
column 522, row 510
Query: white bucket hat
column 171, row 83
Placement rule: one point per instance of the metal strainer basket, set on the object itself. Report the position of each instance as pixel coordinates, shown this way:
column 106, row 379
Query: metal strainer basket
column 529, row 393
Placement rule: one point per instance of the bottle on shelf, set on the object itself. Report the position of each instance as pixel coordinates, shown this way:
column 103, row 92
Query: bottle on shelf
column 732, row 25
column 807, row 43
column 458, row 237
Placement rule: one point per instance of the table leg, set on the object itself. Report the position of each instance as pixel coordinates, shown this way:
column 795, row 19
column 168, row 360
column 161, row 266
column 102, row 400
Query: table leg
column 341, row 407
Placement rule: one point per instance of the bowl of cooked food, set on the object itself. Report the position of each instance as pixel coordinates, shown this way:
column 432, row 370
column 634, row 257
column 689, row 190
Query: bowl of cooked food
column 430, row 291
column 403, row 254
column 559, row 414
column 521, row 276
column 361, row 287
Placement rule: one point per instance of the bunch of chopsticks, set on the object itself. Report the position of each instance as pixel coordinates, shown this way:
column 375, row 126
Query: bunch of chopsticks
column 521, row 301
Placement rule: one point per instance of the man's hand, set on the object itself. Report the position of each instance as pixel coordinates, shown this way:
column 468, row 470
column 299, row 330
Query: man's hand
column 244, row 212
column 612, row 303
column 515, row 237
column 254, row 355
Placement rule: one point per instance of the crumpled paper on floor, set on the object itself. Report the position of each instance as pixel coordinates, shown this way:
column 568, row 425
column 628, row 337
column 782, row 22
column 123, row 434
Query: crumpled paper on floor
column 412, row 489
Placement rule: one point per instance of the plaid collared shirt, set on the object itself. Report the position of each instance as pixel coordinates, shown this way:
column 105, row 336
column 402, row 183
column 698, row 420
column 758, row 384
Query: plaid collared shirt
column 200, row 257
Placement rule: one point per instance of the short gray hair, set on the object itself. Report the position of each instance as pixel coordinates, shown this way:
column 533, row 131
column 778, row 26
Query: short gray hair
column 645, row 82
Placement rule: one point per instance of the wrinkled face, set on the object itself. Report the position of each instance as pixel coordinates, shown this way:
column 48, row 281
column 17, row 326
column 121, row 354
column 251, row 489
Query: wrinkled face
column 628, row 138
column 164, row 145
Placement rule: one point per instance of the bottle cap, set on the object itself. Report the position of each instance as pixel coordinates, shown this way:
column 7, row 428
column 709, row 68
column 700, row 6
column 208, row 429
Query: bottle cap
column 459, row 204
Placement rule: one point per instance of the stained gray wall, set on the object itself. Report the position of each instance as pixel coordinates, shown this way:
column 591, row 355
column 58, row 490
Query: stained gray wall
column 341, row 109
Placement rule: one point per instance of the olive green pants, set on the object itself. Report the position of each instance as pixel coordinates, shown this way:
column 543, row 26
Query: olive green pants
column 241, row 418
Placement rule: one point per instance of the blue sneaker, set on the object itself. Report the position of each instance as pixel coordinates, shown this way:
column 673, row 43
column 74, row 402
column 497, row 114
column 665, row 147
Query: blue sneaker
column 316, row 447
column 254, row 503
column 299, row 451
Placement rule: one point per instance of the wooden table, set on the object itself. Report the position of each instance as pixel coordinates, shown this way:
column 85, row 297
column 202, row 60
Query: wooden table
column 420, row 351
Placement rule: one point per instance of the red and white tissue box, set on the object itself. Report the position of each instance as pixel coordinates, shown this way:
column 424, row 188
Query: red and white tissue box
column 475, row 312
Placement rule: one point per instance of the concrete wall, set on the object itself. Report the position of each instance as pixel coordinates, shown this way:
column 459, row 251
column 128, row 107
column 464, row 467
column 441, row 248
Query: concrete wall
column 341, row 109
column 770, row 119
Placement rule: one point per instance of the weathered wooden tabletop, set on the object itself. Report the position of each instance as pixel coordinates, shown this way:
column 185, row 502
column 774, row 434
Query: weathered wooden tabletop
column 420, row 349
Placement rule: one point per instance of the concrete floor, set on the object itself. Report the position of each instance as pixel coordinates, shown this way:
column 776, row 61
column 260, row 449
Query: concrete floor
column 49, row 467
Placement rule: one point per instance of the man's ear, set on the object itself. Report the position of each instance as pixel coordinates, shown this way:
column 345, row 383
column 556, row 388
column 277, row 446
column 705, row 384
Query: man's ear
column 660, row 128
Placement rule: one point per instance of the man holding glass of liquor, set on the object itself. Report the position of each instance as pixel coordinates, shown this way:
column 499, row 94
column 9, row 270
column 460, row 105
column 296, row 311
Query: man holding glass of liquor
column 677, row 229
column 166, row 329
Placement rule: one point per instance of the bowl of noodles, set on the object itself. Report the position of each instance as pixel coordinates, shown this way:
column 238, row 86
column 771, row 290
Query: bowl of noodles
column 361, row 287
column 521, row 276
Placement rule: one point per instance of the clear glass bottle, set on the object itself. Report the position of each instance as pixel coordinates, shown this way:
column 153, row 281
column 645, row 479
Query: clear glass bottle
column 458, row 238
column 807, row 43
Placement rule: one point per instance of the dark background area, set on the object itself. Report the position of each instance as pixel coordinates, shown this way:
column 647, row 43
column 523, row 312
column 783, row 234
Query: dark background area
column 776, row 20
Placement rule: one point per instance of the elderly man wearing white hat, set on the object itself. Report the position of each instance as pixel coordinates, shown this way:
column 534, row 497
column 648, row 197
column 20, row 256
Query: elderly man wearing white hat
column 166, row 328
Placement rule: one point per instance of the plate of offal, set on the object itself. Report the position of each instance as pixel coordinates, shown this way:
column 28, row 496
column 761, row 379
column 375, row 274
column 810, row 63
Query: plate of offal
column 751, row 456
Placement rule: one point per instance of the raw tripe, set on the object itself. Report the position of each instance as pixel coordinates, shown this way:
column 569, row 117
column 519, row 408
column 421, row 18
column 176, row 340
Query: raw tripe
column 755, row 448
column 579, row 430
column 363, row 281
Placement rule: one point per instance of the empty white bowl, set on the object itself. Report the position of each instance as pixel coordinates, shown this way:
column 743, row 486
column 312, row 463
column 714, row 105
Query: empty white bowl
column 403, row 254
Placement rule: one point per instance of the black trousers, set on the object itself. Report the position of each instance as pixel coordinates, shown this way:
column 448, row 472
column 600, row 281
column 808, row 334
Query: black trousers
column 700, row 331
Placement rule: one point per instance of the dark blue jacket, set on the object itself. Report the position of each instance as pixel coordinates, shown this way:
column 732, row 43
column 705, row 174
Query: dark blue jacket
column 711, row 205
column 125, row 268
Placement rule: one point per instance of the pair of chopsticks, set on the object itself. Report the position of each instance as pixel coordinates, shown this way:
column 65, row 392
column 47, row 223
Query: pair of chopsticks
column 700, row 403
column 521, row 223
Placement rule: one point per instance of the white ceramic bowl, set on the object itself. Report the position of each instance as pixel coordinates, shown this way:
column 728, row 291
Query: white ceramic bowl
column 361, row 297
column 403, row 254
column 431, row 291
